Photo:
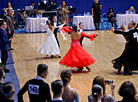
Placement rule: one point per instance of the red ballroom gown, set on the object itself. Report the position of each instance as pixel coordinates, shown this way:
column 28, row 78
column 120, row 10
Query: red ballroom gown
column 77, row 56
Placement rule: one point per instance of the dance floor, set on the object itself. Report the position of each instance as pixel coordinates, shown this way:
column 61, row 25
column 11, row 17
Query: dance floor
column 103, row 49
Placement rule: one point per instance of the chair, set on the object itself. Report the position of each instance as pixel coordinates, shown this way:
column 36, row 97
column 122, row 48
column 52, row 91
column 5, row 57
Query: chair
column 104, row 21
column 20, row 23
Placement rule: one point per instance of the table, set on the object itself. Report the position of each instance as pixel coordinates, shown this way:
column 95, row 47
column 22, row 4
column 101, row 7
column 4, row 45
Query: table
column 87, row 20
column 124, row 19
column 33, row 24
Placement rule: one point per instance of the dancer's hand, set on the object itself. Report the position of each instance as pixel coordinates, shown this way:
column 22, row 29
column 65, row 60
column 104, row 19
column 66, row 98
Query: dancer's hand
column 112, row 29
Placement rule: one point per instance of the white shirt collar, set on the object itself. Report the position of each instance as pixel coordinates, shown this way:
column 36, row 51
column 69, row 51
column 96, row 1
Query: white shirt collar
column 38, row 78
column 55, row 99
column 55, row 24
column 81, row 30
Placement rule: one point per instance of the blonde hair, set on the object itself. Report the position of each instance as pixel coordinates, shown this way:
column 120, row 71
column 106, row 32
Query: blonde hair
column 9, row 5
column 132, row 8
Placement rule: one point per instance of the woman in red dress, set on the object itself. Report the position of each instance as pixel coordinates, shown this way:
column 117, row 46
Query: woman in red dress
column 77, row 56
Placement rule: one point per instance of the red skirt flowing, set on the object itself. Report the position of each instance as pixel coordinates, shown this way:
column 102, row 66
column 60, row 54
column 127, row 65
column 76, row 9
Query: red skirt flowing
column 77, row 57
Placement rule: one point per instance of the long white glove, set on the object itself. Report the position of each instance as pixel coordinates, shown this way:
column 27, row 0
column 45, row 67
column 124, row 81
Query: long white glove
column 62, row 34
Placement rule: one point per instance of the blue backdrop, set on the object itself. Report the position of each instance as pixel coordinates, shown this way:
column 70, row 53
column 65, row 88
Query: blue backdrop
column 80, row 5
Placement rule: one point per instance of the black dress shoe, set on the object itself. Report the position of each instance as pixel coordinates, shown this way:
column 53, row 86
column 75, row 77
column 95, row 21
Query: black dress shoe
column 11, row 49
column 52, row 56
column 129, row 73
column 6, row 70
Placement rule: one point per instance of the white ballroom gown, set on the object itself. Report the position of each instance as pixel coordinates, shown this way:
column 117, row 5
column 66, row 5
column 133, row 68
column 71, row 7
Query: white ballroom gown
column 49, row 46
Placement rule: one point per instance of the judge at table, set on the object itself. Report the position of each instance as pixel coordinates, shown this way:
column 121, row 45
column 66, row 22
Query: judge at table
column 46, row 4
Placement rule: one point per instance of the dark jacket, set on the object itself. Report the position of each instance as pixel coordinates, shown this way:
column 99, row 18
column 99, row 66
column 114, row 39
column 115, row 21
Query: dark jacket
column 4, row 41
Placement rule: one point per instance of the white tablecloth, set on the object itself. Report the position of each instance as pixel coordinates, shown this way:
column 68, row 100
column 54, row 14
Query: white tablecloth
column 124, row 19
column 87, row 20
column 33, row 24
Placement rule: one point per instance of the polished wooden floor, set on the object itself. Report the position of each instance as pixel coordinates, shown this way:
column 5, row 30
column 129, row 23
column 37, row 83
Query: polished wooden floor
column 106, row 47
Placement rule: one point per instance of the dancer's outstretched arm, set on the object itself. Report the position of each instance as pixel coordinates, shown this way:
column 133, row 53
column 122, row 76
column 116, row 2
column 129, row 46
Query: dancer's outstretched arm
column 119, row 32
column 91, row 36
column 67, row 30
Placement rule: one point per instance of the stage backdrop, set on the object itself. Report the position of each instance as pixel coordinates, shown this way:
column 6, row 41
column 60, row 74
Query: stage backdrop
column 119, row 6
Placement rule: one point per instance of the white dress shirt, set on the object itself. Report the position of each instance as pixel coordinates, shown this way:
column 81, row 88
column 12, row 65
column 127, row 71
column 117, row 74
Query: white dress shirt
column 55, row 24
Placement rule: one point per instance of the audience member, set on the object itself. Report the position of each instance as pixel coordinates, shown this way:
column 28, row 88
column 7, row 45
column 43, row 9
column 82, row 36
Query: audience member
column 4, row 44
column 38, row 90
column 45, row 4
column 39, row 14
column 57, row 88
column 55, row 23
column 64, row 13
column 8, row 91
column 111, row 16
column 128, row 92
column 2, row 76
column 131, row 10
column 106, row 98
column 97, row 93
column 53, row 4
column 23, row 17
column 4, row 14
column 96, row 13
column 32, row 6
column 10, row 26
column 69, row 94
column 9, row 7
column 39, row 6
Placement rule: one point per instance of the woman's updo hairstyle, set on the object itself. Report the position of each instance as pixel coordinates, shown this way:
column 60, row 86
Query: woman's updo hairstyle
column 65, row 76
column 75, row 28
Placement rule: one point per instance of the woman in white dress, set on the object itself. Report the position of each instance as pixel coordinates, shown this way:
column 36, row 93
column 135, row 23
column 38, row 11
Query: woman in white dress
column 49, row 46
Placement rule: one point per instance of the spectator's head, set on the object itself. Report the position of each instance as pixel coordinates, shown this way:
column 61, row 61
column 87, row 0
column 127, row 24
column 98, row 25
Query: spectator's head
column 97, row 92
column 3, row 24
column 70, row 7
column 96, row 1
column 8, row 90
column 75, row 28
column 63, row 4
column 131, row 24
column 132, row 8
column 9, row 11
column 100, row 81
column 40, row 12
column 2, row 74
column 23, row 11
column 110, row 9
column 127, row 89
column 42, row 70
column 81, row 25
column 9, row 5
column 54, row 18
column 65, row 76
column 32, row 4
column 39, row 3
column 57, row 88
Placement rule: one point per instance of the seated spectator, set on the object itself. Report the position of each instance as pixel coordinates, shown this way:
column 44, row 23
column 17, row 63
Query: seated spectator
column 53, row 4
column 39, row 6
column 2, row 76
column 131, row 10
column 32, row 6
column 38, row 90
column 57, row 88
column 128, row 92
column 69, row 94
column 23, row 17
column 97, row 93
column 106, row 98
column 8, row 91
column 39, row 14
column 110, row 16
